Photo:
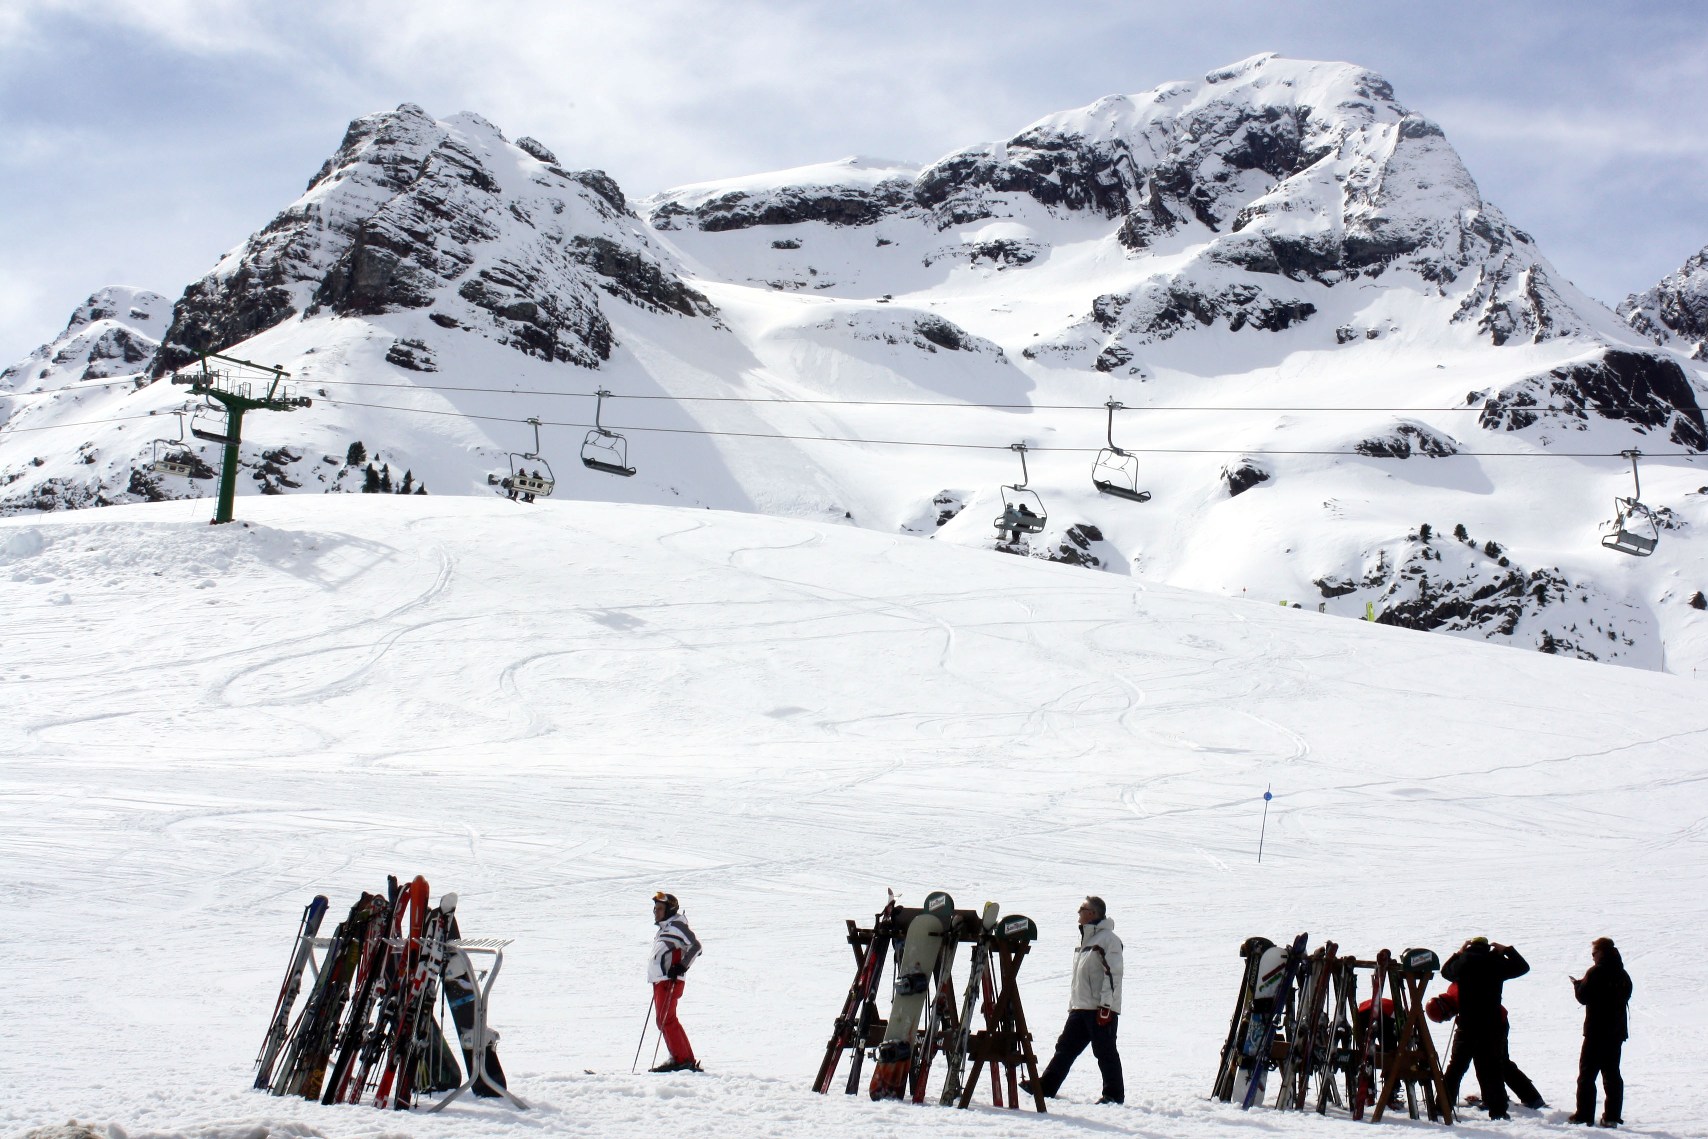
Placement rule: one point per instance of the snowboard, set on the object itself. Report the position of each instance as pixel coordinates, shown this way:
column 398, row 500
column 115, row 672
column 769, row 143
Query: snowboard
column 914, row 964
column 279, row 1028
column 955, row 1050
column 462, row 995
column 1251, row 951
column 1268, row 1006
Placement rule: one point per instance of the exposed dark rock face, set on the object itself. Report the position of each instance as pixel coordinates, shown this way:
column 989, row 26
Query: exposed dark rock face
column 412, row 213
column 833, row 205
column 943, row 333
column 1003, row 253
column 636, row 278
column 925, row 331
column 1243, row 475
column 411, row 354
column 1437, row 585
column 1675, row 311
column 536, row 149
column 1404, row 439
column 1078, row 547
column 1644, row 389
column 274, row 275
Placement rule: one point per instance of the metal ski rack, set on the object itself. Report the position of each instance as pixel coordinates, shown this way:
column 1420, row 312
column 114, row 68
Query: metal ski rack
column 459, row 954
column 223, row 387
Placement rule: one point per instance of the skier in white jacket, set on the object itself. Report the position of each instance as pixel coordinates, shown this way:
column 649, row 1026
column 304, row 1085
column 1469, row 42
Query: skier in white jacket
column 1094, row 1005
column 674, row 948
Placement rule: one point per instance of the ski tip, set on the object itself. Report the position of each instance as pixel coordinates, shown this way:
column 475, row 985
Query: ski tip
column 448, row 904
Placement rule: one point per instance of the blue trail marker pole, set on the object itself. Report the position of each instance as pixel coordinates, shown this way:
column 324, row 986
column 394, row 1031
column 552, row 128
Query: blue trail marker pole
column 1266, row 797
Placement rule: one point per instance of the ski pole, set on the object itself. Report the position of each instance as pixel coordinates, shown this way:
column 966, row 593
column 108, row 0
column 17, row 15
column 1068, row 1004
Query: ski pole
column 1265, row 828
column 642, row 1041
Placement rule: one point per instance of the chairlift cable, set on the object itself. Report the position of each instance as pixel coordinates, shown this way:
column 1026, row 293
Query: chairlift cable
column 1256, row 453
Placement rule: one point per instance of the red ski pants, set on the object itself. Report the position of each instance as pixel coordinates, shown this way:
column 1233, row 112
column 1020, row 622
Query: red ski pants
column 665, row 994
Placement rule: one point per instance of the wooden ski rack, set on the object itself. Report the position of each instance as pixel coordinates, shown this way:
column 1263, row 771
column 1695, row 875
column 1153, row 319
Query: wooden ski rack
column 1324, row 1049
column 1005, row 1040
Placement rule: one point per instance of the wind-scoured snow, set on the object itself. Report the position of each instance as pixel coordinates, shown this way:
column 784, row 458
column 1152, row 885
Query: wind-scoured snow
column 555, row 711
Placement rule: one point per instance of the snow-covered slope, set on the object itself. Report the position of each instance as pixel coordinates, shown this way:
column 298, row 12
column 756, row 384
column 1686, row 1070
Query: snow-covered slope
column 1675, row 311
column 1327, row 339
column 557, row 711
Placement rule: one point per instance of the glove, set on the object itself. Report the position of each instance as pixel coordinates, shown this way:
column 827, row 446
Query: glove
column 1104, row 1016
column 675, row 972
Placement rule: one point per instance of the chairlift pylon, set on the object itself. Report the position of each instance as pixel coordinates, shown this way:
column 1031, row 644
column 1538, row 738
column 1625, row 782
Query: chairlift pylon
column 1631, row 518
column 180, row 462
column 605, row 450
column 1115, row 471
column 522, row 485
column 1022, row 510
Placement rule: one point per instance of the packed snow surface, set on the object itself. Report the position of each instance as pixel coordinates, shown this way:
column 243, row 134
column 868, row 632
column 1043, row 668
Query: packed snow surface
column 556, row 710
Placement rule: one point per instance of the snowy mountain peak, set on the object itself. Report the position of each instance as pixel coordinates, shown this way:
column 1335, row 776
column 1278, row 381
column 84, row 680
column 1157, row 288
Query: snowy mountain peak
column 116, row 332
column 446, row 217
column 1675, row 312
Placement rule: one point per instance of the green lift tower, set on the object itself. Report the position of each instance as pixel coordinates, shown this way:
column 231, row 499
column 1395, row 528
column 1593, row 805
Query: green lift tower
column 237, row 386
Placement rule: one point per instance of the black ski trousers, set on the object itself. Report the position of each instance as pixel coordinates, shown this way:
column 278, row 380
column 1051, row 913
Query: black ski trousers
column 1482, row 1047
column 1459, row 1062
column 1082, row 1029
column 1601, row 1057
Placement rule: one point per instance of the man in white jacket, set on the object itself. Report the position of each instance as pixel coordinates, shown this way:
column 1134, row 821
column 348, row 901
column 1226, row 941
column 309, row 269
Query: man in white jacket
column 1094, row 1005
column 674, row 948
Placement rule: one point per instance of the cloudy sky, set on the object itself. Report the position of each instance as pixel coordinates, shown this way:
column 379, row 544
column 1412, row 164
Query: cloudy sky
column 140, row 139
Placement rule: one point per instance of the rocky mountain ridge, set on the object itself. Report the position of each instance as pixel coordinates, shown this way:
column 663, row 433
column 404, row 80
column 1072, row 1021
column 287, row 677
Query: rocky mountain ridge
column 1674, row 313
column 1325, row 334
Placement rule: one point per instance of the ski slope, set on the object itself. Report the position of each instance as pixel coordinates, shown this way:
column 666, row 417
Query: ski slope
column 556, row 710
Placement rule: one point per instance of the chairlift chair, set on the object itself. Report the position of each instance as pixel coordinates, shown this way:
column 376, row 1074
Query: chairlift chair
column 210, row 422
column 605, row 450
column 167, row 461
column 522, row 483
column 1115, row 471
column 1022, row 510
column 1632, row 519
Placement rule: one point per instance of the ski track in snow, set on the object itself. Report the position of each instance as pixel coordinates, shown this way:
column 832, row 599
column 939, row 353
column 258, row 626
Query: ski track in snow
column 554, row 712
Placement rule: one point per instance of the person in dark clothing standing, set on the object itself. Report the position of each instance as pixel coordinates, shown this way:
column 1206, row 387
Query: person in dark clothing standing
column 1480, row 969
column 1603, row 991
column 1445, row 1007
column 1094, row 1006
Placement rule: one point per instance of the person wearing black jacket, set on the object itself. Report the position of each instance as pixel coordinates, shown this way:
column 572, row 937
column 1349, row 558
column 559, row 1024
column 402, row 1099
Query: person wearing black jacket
column 1604, row 991
column 1480, row 969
